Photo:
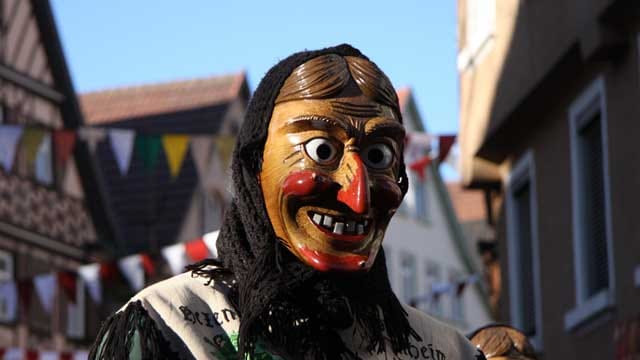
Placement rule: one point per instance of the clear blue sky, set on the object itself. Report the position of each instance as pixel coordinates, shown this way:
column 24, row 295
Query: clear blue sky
column 115, row 43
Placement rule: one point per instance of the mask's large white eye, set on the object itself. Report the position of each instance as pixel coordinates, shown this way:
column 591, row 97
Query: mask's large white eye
column 321, row 150
column 377, row 156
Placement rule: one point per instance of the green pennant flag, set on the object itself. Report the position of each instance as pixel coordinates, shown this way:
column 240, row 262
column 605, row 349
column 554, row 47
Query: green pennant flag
column 148, row 148
column 31, row 140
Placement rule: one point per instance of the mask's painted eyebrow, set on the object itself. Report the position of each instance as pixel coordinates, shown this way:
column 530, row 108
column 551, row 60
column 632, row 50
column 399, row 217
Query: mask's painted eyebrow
column 388, row 129
column 314, row 122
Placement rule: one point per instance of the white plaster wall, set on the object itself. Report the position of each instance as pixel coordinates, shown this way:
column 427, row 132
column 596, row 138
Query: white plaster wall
column 431, row 241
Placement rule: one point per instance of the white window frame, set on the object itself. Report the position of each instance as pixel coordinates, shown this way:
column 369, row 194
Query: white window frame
column 474, row 53
column 524, row 171
column 10, row 299
column 7, row 257
column 590, row 101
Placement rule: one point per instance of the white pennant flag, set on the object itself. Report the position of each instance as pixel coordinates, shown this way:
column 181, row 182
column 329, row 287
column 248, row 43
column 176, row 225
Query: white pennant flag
column 91, row 276
column 71, row 182
column 8, row 301
column 44, row 158
column 14, row 354
column 210, row 240
column 122, row 147
column 9, row 138
column 201, row 147
column 92, row 136
column 131, row 267
column 46, row 288
column 80, row 355
column 48, row 355
column 175, row 255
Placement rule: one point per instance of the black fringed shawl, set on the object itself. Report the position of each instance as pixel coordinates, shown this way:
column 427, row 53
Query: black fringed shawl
column 273, row 290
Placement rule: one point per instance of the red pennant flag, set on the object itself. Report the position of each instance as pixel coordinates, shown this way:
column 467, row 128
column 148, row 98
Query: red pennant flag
column 196, row 250
column 148, row 265
column 108, row 270
column 25, row 290
column 31, row 355
column 420, row 165
column 2, row 352
column 445, row 143
column 67, row 280
column 63, row 141
column 66, row 356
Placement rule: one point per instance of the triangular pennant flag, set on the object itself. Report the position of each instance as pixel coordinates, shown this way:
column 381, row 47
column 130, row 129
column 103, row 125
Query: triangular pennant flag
column 175, row 146
column 91, row 276
column 68, row 282
column 25, row 289
column 148, row 148
column 71, row 184
column 63, row 142
column 9, row 137
column 122, row 147
column 92, row 136
column 8, row 301
column 224, row 147
column 196, row 250
column 210, row 239
column 201, row 147
column 148, row 265
column 43, row 163
column 14, row 354
column 31, row 355
column 80, row 355
column 419, row 166
column 46, row 289
column 175, row 256
column 444, row 145
column 65, row 355
column 131, row 268
column 31, row 140
column 49, row 355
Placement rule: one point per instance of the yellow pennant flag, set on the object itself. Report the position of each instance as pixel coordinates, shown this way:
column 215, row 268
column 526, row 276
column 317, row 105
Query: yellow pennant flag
column 31, row 140
column 175, row 147
column 224, row 147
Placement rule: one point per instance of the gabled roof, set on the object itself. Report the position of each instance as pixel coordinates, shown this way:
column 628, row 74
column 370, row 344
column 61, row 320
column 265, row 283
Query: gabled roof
column 125, row 103
column 468, row 204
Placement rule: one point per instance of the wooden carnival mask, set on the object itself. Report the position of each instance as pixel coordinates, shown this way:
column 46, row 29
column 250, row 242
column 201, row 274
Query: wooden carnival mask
column 330, row 170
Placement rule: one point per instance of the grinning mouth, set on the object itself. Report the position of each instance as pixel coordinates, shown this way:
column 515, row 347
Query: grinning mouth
column 340, row 225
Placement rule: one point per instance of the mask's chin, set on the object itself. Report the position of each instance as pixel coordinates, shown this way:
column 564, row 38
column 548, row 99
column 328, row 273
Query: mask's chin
column 332, row 240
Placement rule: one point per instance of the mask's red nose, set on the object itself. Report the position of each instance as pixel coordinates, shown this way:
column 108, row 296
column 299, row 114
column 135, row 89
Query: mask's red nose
column 355, row 192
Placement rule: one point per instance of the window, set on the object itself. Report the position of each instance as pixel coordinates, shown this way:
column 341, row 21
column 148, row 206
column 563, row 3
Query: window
column 591, row 205
column 524, row 267
column 409, row 283
column 6, row 266
column 479, row 31
column 76, row 313
column 432, row 277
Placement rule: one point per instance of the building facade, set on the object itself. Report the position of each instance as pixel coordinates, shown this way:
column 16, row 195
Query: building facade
column 430, row 265
column 51, row 213
column 548, row 96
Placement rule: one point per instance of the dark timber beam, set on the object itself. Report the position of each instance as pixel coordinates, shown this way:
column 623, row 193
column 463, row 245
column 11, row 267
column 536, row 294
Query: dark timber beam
column 31, row 85
column 41, row 241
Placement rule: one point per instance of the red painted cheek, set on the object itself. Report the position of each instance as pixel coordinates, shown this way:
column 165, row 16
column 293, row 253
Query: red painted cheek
column 304, row 183
column 387, row 194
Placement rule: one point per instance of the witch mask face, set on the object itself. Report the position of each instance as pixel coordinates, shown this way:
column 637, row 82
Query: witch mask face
column 330, row 178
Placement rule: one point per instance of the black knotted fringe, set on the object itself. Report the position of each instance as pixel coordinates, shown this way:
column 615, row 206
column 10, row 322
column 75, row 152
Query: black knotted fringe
column 115, row 339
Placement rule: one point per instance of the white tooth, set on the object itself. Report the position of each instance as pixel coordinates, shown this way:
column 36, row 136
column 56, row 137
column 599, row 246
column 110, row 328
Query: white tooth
column 317, row 218
column 360, row 228
column 338, row 228
column 328, row 221
column 366, row 222
column 351, row 227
